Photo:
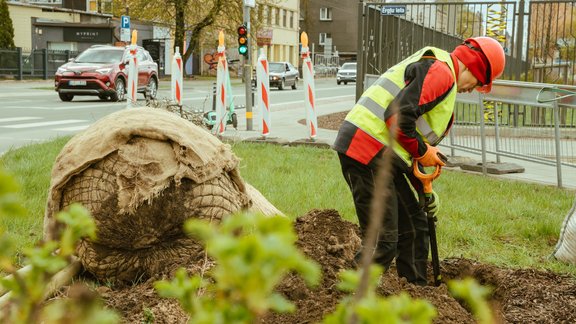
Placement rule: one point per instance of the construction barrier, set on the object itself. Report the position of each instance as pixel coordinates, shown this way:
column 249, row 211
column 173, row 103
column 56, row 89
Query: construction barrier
column 132, row 72
column 177, row 77
column 263, row 90
column 309, row 88
column 221, row 86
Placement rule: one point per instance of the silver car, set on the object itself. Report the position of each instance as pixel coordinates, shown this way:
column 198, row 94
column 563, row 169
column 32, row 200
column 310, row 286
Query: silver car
column 347, row 73
column 283, row 74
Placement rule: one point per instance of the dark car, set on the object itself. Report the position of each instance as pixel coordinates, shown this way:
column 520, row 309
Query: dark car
column 346, row 73
column 102, row 71
column 283, row 74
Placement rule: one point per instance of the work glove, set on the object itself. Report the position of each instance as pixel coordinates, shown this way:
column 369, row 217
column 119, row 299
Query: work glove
column 432, row 203
column 432, row 157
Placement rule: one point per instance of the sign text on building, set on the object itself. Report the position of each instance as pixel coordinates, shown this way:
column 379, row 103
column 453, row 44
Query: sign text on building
column 89, row 35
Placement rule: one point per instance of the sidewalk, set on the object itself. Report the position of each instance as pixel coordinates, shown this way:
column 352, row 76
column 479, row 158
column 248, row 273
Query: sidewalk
column 285, row 127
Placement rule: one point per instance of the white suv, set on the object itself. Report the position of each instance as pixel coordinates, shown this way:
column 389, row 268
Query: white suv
column 347, row 73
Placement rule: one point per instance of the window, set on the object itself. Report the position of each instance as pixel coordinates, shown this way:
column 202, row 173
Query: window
column 291, row 19
column 102, row 6
column 284, row 14
column 92, row 6
column 277, row 16
column 325, row 13
column 322, row 38
column 141, row 56
column 261, row 12
column 268, row 15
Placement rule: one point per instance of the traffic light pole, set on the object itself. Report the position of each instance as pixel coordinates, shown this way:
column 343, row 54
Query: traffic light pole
column 248, row 71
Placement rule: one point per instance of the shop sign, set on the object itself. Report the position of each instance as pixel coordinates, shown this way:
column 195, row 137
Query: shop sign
column 88, row 35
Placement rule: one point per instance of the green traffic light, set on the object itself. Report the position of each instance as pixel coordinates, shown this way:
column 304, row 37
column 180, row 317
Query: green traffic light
column 243, row 50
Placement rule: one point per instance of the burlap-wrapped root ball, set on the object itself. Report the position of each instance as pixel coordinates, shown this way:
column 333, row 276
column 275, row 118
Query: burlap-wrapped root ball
column 141, row 173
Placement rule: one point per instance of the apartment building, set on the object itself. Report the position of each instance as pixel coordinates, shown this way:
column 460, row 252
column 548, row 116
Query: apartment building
column 278, row 31
column 332, row 27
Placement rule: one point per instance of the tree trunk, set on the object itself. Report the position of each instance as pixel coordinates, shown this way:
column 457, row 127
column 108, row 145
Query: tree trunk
column 179, row 7
column 194, row 44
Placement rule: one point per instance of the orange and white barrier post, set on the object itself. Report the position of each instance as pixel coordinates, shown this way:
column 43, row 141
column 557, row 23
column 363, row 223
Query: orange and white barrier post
column 177, row 77
column 221, row 89
column 132, row 72
column 309, row 88
column 263, row 90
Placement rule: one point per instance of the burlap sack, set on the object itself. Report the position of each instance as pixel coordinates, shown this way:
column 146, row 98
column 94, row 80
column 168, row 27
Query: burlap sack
column 565, row 249
column 141, row 173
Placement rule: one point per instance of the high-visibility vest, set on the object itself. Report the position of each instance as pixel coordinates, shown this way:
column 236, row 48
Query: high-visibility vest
column 368, row 113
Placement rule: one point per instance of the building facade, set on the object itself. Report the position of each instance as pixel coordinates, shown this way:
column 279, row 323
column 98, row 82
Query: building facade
column 278, row 32
column 332, row 27
column 47, row 25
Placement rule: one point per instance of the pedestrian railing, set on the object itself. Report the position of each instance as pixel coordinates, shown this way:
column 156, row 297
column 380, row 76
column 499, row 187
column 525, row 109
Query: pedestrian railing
column 42, row 63
column 528, row 121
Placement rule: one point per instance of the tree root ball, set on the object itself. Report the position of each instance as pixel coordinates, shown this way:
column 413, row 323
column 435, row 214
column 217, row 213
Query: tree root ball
column 141, row 173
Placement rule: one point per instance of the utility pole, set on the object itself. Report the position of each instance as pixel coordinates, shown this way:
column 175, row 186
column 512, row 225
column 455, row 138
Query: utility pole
column 248, row 65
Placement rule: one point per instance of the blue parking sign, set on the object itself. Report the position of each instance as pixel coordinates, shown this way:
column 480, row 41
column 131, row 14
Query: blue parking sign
column 126, row 22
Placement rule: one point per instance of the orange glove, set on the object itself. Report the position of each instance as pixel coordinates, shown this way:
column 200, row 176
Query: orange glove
column 432, row 157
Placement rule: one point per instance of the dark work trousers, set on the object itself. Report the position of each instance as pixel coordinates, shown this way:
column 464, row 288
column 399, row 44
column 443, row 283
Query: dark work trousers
column 404, row 232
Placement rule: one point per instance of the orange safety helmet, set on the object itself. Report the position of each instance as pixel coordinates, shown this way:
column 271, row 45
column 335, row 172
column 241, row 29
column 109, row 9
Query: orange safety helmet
column 495, row 55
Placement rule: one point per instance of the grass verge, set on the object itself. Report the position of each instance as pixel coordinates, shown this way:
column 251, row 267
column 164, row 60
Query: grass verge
column 498, row 221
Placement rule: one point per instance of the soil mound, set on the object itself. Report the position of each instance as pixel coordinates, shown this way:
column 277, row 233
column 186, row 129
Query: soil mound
column 519, row 296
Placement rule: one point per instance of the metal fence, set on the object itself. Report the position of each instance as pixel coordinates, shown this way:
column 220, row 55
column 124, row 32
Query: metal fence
column 539, row 37
column 326, row 65
column 526, row 121
column 42, row 63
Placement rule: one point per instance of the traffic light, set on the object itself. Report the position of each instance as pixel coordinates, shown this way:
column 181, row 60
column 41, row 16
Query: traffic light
column 243, row 40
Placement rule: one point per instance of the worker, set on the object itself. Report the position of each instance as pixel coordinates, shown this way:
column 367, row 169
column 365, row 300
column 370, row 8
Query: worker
column 417, row 98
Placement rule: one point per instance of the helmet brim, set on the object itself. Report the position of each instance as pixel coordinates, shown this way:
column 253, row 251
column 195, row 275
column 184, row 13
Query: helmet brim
column 485, row 88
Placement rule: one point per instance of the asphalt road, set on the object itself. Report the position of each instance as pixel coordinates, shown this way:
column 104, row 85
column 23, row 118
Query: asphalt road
column 31, row 112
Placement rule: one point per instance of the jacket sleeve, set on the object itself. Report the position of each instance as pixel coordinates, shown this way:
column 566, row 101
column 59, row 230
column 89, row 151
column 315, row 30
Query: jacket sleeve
column 428, row 82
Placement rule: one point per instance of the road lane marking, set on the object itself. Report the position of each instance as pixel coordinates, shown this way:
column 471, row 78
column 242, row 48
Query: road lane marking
column 49, row 123
column 302, row 101
column 72, row 129
column 101, row 105
column 15, row 119
column 18, row 93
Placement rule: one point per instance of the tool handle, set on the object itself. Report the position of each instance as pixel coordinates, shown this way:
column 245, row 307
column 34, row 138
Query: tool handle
column 426, row 178
column 434, row 251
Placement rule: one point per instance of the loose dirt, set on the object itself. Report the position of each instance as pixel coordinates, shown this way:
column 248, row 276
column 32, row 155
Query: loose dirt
column 518, row 295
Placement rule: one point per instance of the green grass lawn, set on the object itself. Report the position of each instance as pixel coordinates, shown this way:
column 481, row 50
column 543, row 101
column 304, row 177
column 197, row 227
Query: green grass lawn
column 491, row 220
